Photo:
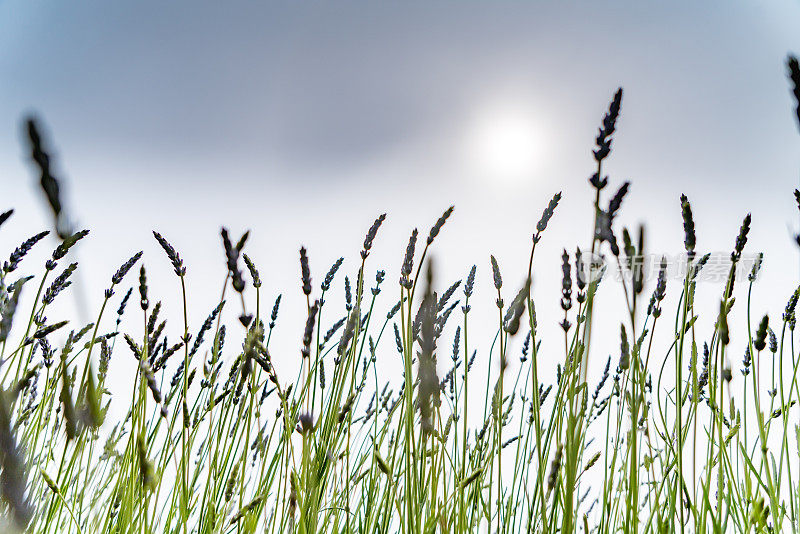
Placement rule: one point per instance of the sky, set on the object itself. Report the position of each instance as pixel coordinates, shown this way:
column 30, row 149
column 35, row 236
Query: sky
column 304, row 122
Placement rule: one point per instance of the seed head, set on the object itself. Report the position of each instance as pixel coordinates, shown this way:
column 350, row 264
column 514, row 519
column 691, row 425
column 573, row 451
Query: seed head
column 470, row 283
column 616, row 201
column 555, row 466
column 253, row 271
column 143, row 288
column 373, row 231
column 724, row 335
column 309, row 330
column 116, row 279
column 172, row 255
column 232, row 260
column 756, row 267
column 50, row 185
column 21, row 251
column 305, row 272
column 63, row 247
column 5, row 216
column 326, row 283
column 439, row 223
column 609, row 126
column 348, row 294
column 741, row 239
column 59, row 284
column 689, row 239
column 625, row 349
column 408, row 261
column 274, row 315
column 546, row 216
column 566, row 282
column 760, row 341
column 597, row 182
column 746, row 362
column 794, row 76
column 498, row 280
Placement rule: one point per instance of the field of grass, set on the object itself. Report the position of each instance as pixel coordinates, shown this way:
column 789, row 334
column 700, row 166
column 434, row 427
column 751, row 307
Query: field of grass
column 216, row 438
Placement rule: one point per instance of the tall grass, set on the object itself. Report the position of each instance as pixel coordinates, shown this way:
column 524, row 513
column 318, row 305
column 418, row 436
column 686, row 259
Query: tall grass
column 217, row 438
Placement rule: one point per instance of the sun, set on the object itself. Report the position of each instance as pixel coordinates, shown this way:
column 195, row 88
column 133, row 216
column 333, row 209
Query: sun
column 505, row 143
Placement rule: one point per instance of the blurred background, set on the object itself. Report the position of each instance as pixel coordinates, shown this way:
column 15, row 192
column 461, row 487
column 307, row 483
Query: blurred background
column 304, row 122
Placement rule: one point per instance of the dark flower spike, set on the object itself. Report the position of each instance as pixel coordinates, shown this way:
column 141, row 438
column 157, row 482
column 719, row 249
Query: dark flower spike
column 309, row 330
column 566, row 282
column 48, row 182
column 59, row 284
column 616, row 200
column 21, row 251
column 498, row 280
column 326, row 283
column 408, row 261
column 597, row 182
column 49, row 329
column 547, row 214
column 232, row 260
column 794, row 75
column 689, row 237
column 305, row 272
column 117, row 277
column 5, row 215
column 253, row 271
column 741, row 239
column 773, row 342
column 580, row 271
column 625, row 350
column 143, row 289
column 513, row 316
column 446, row 296
column 609, row 126
column 172, row 255
column 373, row 231
column 724, row 334
column 274, row 315
column 439, row 223
column 348, row 294
column 242, row 241
column 205, row 327
column 68, row 242
column 760, row 341
column 468, row 287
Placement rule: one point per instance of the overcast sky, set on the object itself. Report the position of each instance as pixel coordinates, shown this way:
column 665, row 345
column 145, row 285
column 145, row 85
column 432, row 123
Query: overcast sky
column 303, row 123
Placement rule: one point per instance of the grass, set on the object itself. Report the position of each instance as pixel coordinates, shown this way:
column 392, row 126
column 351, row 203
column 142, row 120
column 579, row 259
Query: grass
column 216, row 438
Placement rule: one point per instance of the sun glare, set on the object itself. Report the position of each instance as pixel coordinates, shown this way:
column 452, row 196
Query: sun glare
column 505, row 144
